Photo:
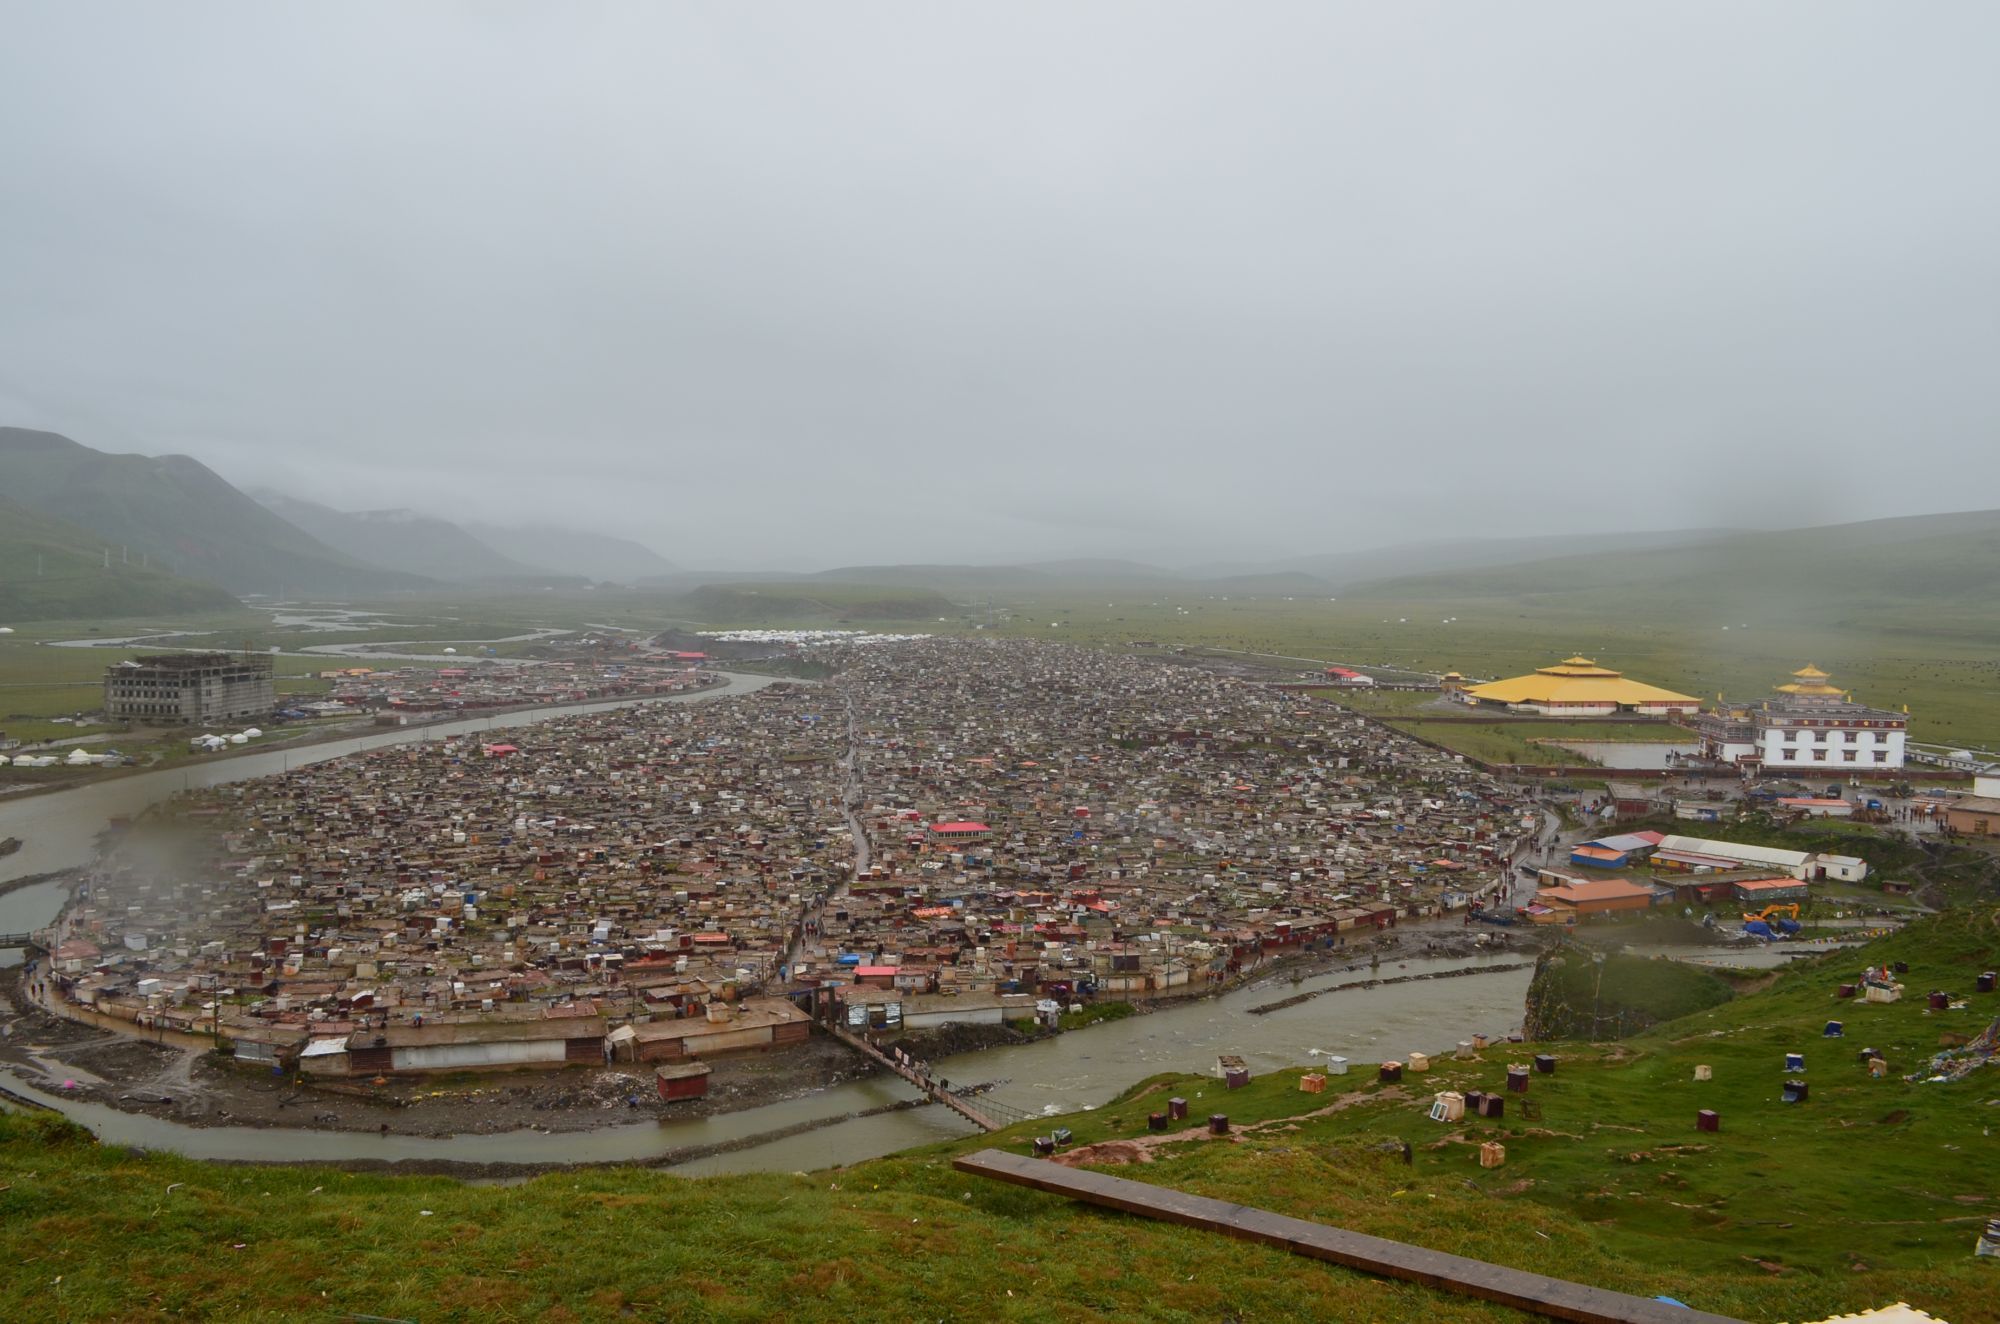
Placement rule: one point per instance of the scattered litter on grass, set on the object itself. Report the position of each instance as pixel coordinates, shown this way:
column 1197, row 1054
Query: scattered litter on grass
column 1958, row 1063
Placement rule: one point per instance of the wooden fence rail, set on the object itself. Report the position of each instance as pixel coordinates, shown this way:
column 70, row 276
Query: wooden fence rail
column 1556, row 1298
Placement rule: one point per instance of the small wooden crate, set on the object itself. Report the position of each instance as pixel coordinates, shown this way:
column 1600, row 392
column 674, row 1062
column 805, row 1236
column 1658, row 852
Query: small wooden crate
column 1312, row 1082
column 1492, row 1154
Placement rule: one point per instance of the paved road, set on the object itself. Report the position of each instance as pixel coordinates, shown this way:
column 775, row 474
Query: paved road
column 850, row 807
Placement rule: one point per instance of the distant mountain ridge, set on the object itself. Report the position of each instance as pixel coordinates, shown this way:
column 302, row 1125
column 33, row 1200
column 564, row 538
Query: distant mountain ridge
column 181, row 515
column 791, row 602
column 1827, row 574
column 1341, row 569
column 403, row 540
column 1323, row 573
column 597, row 556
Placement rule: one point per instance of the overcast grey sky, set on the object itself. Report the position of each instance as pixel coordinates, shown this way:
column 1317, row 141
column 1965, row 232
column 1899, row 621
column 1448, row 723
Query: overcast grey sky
column 820, row 282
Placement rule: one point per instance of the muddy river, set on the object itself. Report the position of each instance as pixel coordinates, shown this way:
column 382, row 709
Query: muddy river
column 1083, row 1069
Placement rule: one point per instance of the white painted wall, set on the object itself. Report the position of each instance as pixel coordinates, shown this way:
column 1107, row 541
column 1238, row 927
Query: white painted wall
column 447, row 1057
column 1823, row 750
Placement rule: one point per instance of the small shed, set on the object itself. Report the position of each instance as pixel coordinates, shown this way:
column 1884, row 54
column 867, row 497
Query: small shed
column 1631, row 800
column 1764, row 891
column 1974, row 816
column 681, row 1080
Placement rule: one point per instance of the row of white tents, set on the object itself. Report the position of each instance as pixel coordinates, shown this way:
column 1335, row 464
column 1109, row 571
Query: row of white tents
column 76, row 758
column 211, row 743
column 83, row 758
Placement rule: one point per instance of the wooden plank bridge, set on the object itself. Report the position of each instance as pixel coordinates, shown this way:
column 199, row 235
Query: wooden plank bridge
column 18, row 940
column 1556, row 1298
column 986, row 1114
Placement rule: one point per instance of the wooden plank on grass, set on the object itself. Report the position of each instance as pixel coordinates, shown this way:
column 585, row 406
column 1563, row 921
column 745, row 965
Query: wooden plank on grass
column 1556, row 1298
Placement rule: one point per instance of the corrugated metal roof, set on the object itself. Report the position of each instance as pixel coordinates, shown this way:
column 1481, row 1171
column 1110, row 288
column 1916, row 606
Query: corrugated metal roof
column 1730, row 850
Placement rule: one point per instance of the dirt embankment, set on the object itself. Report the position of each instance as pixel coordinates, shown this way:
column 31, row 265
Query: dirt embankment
column 947, row 1040
column 35, row 879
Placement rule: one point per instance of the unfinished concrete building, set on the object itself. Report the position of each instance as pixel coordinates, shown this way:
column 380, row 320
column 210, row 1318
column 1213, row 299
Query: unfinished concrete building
column 193, row 689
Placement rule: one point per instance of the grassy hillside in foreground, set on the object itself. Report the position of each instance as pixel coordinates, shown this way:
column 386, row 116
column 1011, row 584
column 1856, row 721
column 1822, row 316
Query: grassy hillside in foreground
column 52, row 570
column 1871, row 1192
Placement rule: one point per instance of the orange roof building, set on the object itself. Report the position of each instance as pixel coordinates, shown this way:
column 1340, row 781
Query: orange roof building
column 1574, row 901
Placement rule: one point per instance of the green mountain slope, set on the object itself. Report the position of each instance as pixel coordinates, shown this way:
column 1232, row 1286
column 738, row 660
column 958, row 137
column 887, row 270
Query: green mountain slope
column 402, row 540
column 181, row 514
column 51, row 570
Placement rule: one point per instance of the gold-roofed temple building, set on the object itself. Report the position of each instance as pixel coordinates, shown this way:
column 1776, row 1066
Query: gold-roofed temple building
column 1578, row 687
column 1809, row 724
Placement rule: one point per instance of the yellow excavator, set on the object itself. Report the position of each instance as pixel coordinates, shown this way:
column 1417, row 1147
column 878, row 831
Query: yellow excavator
column 1773, row 921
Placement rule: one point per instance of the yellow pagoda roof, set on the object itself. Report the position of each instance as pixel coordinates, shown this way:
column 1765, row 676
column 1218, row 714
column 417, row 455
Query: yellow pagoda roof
column 1811, row 681
column 1578, row 666
column 1576, row 680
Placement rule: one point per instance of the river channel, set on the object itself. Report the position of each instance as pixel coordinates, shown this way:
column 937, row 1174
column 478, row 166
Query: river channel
column 1077, row 1070
column 1083, row 1069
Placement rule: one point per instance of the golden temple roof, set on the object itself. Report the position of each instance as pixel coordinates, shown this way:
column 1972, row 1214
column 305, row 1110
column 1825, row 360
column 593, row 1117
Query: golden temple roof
column 1578, row 666
column 1812, row 682
column 1576, row 680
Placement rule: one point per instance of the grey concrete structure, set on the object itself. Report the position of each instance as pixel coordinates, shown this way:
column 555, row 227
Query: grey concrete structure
column 192, row 689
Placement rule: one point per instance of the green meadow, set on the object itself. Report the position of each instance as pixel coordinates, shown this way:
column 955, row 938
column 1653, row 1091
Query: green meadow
column 1945, row 665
